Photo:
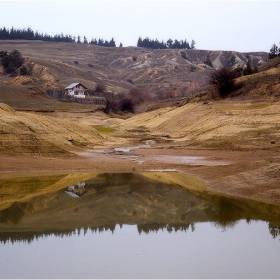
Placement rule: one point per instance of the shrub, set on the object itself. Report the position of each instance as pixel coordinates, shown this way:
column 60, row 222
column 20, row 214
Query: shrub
column 183, row 54
column 126, row 105
column 223, row 80
column 100, row 87
column 248, row 70
column 11, row 62
column 23, row 70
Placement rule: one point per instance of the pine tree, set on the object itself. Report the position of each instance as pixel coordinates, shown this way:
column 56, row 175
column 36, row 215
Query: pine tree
column 248, row 69
column 274, row 52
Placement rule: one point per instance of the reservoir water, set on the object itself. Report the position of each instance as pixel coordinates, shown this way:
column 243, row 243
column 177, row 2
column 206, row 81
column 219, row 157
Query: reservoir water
column 133, row 226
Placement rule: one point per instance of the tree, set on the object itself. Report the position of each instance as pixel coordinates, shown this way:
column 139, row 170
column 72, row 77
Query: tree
column 140, row 42
column 23, row 70
column 120, row 46
column 223, row 80
column 248, row 69
column 126, row 105
column 274, row 52
column 12, row 61
column 100, row 87
column 193, row 44
column 85, row 40
column 112, row 43
column 79, row 39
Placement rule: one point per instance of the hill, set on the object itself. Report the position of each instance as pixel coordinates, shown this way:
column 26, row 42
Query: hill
column 56, row 65
column 238, row 136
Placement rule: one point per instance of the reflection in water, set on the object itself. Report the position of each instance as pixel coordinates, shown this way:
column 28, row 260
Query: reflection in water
column 108, row 200
column 76, row 190
column 13, row 214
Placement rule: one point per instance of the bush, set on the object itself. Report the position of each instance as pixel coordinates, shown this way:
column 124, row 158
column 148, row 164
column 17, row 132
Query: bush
column 248, row 70
column 223, row 80
column 100, row 87
column 126, row 105
column 183, row 54
column 110, row 106
column 23, row 70
column 11, row 62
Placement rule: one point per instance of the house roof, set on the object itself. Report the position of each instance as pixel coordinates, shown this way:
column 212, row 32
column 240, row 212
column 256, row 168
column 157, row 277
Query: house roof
column 73, row 85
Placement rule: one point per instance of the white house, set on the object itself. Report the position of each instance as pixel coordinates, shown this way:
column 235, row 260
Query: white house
column 76, row 90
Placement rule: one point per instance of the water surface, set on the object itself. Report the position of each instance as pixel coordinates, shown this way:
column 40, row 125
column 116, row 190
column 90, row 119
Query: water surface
column 133, row 226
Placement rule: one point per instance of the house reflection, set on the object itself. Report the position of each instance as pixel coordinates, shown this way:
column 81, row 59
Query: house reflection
column 76, row 190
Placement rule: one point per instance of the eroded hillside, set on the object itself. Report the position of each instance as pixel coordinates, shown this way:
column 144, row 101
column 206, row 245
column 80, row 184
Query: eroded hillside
column 56, row 65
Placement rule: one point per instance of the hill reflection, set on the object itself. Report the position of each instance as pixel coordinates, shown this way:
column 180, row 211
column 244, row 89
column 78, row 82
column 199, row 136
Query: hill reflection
column 109, row 200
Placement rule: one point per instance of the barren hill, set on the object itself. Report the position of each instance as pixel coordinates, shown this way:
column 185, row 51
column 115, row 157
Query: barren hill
column 55, row 65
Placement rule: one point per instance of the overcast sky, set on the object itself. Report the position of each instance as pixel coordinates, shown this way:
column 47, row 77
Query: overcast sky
column 244, row 26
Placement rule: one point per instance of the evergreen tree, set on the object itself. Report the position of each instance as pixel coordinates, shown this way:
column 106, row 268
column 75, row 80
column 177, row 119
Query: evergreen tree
column 169, row 43
column 248, row 69
column 12, row 61
column 140, row 42
column 193, row 44
column 274, row 52
column 112, row 43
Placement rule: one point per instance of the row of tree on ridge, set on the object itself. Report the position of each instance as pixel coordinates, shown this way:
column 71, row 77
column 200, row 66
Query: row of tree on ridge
column 29, row 34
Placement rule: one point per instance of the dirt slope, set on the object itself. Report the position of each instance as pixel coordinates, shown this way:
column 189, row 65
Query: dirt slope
column 59, row 64
column 29, row 133
column 221, row 124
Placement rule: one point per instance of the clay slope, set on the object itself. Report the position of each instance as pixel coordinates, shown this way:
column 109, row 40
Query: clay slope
column 250, row 117
column 221, row 124
column 56, row 65
column 27, row 133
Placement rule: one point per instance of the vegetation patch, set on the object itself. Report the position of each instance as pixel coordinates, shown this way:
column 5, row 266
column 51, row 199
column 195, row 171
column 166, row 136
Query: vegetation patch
column 103, row 129
column 222, row 144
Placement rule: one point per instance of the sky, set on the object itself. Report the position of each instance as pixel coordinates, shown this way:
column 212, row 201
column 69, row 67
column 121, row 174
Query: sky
column 230, row 25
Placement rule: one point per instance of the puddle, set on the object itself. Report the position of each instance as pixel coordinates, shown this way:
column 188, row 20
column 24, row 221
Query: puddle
column 189, row 160
column 113, row 225
column 164, row 170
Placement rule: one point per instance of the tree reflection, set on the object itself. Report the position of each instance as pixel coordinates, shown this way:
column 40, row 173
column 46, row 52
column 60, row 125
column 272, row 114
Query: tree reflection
column 227, row 213
column 274, row 230
column 13, row 214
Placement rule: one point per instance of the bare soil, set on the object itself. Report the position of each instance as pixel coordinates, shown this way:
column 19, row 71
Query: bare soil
column 226, row 144
column 252, row 174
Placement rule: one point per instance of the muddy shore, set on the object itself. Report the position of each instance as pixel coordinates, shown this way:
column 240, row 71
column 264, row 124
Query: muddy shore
column 252, row 174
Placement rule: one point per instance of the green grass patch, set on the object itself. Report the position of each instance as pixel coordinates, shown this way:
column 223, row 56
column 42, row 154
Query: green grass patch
column 103, row 130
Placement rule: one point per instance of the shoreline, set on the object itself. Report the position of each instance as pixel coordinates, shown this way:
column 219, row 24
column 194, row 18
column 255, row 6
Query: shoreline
column 250, row 174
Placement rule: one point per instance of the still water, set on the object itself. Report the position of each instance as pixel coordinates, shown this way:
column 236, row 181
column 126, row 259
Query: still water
column 133, row 226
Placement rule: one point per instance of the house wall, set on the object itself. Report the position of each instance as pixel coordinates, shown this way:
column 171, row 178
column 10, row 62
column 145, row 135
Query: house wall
column 77, row 92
